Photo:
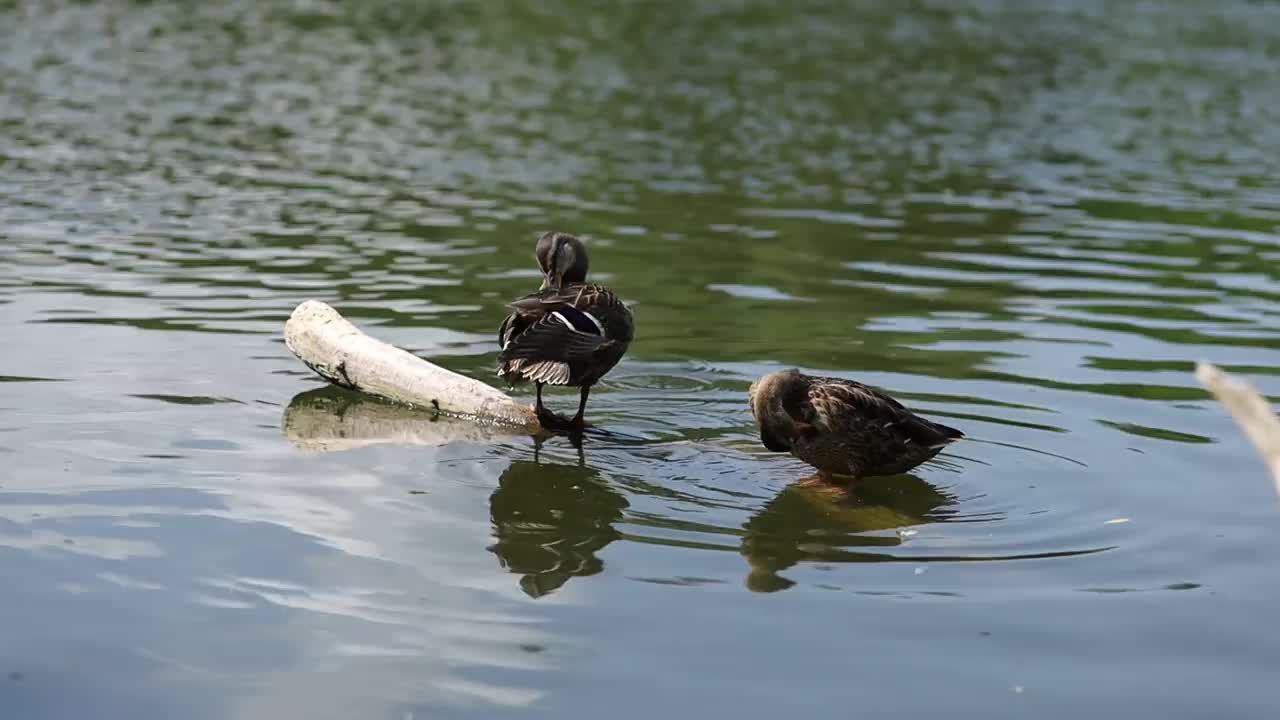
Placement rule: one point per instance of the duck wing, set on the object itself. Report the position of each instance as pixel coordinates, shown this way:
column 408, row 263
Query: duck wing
column 548, row 338
column 528, row 311
column 844, row 406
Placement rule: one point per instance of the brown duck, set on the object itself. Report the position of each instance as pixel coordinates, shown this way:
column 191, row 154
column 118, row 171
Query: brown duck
column 842, row 427
column 570, row 332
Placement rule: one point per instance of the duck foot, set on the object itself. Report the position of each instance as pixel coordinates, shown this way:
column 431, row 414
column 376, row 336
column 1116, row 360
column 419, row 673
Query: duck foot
column 555, row 422
column 835, row 488
column 826, row 479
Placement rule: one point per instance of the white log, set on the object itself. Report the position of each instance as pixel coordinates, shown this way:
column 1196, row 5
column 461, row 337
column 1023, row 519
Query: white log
column 340, row 353
column 1252, row 412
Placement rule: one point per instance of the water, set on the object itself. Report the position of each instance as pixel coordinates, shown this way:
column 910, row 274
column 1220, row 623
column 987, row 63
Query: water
column 1025, row 222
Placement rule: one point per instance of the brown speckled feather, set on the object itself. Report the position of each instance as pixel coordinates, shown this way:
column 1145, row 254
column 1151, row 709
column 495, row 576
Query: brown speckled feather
column 843, row 427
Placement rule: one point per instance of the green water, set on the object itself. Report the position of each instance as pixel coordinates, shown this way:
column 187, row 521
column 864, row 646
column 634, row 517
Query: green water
column 1026, row 220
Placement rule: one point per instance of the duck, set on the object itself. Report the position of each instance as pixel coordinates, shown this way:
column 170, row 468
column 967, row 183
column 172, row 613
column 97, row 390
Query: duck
column 568, row 333
column 842, row 428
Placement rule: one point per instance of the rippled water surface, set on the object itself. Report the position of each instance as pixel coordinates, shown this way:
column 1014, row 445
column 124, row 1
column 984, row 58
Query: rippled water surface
column 1025, row 222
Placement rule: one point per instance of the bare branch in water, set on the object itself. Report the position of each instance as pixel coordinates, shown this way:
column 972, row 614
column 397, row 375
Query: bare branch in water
column 1251, row 411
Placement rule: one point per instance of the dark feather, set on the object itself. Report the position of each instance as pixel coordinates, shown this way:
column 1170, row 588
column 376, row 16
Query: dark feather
column 578, row 320
column 513, row 325
column 551, row 339
column 564, row 336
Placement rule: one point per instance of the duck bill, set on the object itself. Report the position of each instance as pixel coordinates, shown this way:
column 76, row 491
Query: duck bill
column 771, row 441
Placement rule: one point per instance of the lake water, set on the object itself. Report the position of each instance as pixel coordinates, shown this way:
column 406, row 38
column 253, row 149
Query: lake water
column 1027, row 222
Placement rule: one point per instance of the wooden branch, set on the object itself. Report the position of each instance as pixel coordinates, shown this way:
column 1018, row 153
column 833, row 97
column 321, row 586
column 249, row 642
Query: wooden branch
column 340, row 353
column 1252, row 412
column 330, row 419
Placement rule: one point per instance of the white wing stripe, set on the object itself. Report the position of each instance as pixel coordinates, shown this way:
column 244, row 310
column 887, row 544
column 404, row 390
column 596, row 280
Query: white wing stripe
column 564, row 320
column 567, row 323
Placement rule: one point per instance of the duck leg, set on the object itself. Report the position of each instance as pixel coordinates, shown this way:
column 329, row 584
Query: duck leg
column 549, row 419
column 582, row 406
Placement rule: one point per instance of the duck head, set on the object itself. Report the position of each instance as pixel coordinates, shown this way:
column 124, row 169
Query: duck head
column 562, row 259
column 778, row 428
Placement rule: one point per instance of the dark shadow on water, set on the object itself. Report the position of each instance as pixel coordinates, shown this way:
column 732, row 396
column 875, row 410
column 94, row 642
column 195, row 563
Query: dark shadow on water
column 812, row 521
column 551, row 518
column 550, row 521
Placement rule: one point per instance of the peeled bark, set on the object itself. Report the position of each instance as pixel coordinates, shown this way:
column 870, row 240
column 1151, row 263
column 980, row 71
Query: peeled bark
column 340, row 353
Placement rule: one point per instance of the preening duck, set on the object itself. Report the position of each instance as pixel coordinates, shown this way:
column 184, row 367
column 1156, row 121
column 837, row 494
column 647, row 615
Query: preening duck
column 570, row 332
column 842, row 427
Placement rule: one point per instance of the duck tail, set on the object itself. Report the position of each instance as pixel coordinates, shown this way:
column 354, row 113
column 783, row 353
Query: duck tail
column 933, row 435
column 948, row 431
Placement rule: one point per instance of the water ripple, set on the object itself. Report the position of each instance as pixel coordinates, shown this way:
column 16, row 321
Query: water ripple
column 1028, row 224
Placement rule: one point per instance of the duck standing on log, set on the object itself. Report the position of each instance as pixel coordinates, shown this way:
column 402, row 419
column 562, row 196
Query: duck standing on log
column 841, row 427
column 570, row 332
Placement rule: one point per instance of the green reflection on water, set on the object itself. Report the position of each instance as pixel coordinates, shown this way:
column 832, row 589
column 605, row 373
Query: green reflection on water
column 1031, row 220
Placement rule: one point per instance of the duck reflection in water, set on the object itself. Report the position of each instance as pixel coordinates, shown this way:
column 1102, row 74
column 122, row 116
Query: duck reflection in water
column 550, row 521
column 812, row 520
